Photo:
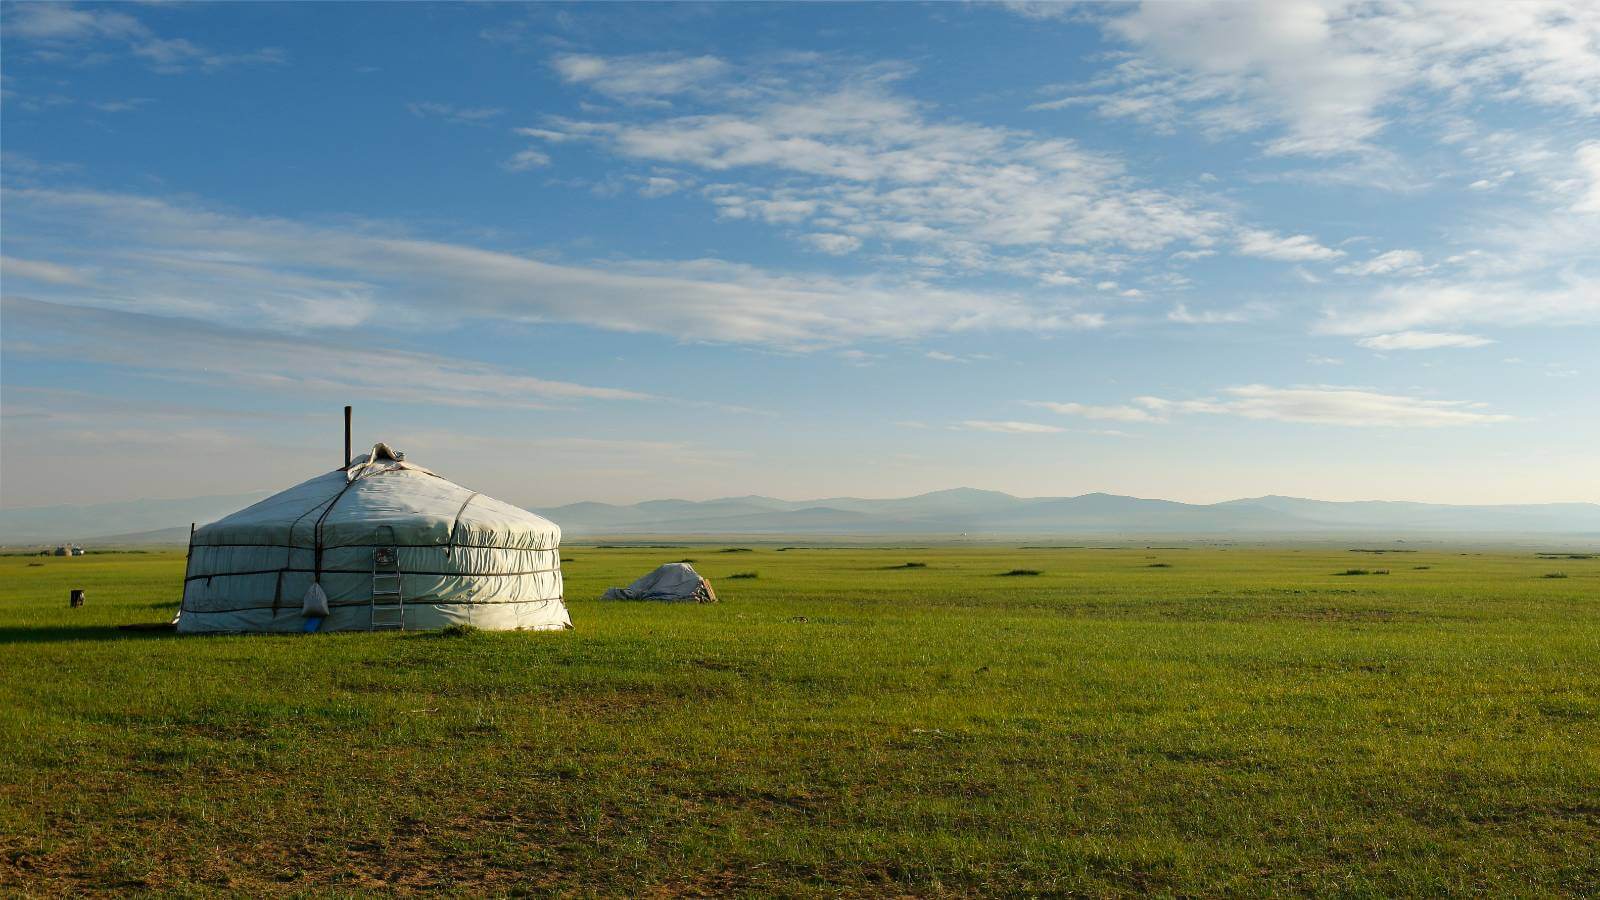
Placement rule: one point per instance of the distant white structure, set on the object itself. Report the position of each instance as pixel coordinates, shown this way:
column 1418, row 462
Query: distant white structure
column 673, row 583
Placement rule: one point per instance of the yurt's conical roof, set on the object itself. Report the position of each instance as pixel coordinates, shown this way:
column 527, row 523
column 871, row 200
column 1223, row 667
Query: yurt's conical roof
column 461, row 557
column 383, row 500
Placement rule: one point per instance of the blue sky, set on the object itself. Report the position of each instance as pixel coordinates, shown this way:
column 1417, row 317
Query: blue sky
column 616, row 252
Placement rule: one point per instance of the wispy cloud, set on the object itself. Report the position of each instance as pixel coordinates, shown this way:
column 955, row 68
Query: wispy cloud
column 1121, row 413
column 1321, row 78
column 156, row 256
column 1315, row 405
column 1326, row 405
column 43, row 272
column 1004, row 427
column 68, row 33
column 845, row 164
column 1393, row 262
column 1293, row 248
column 1417, row 305
column 1422, row 340
column 466, row 115
column 267, row 361
column 637, row 77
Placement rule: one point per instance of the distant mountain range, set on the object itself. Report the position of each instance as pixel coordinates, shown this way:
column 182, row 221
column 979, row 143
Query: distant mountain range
column 128, row 520
column 959, row 511
column 975, row 512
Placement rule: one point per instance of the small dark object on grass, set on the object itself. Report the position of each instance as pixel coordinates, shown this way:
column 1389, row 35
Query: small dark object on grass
column 566, row 559
column 1363, row 572
column 1015, row 572
column 1159, row 566
column 909, row 565
column 686, row 560
column 460, row 629
column 76, row 598
column 1420, row 568
column 735, row 550
column 745, row 575
column 31, row 565
column 1555, row 574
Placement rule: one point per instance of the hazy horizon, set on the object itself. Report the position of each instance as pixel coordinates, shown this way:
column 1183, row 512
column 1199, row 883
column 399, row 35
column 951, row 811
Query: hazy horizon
column 1196, row 252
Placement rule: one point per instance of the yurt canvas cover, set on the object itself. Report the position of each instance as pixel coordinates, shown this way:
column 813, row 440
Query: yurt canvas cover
column 673, row 582
column 460, row 557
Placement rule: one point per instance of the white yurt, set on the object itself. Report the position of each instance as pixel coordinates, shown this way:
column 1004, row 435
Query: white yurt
column 673, row 583
column 380, row 544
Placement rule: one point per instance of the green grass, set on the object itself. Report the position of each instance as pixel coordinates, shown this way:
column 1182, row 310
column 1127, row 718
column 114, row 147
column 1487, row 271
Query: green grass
column 1245, row 723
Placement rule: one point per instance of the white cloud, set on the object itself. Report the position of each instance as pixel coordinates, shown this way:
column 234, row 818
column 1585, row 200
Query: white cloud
column 1008, row 427
column 523, row 160
column 1040, row 10
column 854, row 158
column 62, row 29
column 1325, row 405
column 545, row 134
column 1327, row 73
column 1317, row 405
column 636, row 77
column 1104, row 413
column 1416, row 305
column 279, row 363
column 467, row 115
column 1294, row 248
column 1588, row 162
column 657, row 186
column 155, row 256
column 1393, row 262
column 1422, row 340
column 1247, row 313
column 64, row 22
column 835, row 244
column 39, row 270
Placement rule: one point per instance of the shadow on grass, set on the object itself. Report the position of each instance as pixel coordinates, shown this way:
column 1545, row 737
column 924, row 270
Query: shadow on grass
column 46, row 634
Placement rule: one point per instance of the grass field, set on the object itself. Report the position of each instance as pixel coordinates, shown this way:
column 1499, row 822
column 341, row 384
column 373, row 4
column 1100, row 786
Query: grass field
column 1126, row 722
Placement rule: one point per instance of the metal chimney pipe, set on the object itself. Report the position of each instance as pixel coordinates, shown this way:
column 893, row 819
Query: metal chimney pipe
column 346, row 463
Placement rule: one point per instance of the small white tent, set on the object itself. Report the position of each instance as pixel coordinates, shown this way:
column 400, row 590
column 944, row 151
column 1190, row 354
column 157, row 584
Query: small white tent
column 673, row 582
column 380, row 544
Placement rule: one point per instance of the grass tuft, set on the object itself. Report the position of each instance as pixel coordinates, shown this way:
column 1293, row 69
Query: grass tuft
column 460, row 629
column 745, row 575
column 909, row 565
column 1555, row 574
column 1016, row 572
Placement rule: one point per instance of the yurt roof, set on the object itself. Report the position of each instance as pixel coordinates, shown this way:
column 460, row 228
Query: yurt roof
column 381, row 499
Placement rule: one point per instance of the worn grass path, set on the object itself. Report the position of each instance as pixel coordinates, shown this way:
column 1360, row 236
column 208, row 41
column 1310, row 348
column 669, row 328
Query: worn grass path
column 1239, row 721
